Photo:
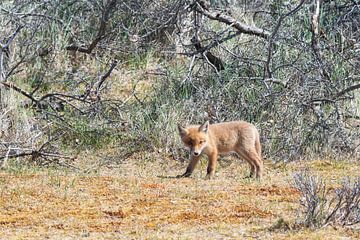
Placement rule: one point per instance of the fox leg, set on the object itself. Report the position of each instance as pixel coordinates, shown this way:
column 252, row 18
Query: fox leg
column 258, row 146
column 252, row 165
column 190, row 168
column 258, row 151
column 212, row 165
column 252, row 171
column 256, row 161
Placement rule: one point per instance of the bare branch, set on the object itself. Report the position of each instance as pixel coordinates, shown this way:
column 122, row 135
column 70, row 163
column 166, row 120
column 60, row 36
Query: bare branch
column 105, row 76
column 19, row 90
column 4, row 48
column 267, row 71
column 37, row 154
column 11, row 38
column 346, row 90
column 101, row 31
column 315, row 38
column 243, row 28
column 213, row 60
column 213, row 44
column 25, row 15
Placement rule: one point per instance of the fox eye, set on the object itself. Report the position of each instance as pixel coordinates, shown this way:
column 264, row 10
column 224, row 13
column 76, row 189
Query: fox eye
column 189, row 143
column 202, row 141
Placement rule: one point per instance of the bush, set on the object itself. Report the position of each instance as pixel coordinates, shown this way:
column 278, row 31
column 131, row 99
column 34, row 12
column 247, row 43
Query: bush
column 323, row 206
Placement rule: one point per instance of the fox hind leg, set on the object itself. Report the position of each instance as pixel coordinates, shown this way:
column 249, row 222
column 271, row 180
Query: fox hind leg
column 257, row 162
column 252, row 165
column 258, row 146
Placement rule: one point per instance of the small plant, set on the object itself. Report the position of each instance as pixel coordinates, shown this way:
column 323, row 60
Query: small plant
column 324, row 206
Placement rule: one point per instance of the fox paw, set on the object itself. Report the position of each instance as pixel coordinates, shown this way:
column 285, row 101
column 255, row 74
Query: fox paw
column 184, row 175
column 209, row 176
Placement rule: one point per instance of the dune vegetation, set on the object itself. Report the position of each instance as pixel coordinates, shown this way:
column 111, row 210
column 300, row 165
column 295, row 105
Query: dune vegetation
column 92, row 91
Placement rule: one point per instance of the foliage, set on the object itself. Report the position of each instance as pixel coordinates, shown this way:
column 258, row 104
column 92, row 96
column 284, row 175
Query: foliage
column 88, row 69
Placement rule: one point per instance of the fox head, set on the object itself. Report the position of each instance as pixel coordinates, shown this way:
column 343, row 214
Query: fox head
column 195, row 138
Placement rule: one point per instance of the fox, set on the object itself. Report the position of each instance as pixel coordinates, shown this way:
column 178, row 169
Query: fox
column 240, row 137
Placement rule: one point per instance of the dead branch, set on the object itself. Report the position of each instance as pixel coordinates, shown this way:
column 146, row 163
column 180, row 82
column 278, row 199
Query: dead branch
column 4, row 48
column 25, row 15
column 267, row 71
column 11, row 38
column 49, row 95
column 101, row 31
column 346, row 90
column 315, row 38
column 219, row 16
column 215, row 61
column 213, row 44
column 39, row 102
column 35, row 154
column 104, row 77
column 19, row 90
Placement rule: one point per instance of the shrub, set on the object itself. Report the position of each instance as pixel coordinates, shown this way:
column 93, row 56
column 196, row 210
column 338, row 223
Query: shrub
column 323, row 206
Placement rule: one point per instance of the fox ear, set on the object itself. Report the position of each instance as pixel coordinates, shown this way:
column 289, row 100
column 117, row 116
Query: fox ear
column 205, row 127
column 182, row 130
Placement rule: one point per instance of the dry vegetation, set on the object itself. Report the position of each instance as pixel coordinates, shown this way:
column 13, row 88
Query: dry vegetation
column 137, row 201
column 91, row 93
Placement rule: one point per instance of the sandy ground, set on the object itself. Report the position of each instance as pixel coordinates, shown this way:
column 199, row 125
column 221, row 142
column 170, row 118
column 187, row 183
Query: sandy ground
column 138, row 200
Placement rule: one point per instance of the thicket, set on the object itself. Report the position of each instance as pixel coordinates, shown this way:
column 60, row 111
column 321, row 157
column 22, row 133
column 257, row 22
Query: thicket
column 92, row 73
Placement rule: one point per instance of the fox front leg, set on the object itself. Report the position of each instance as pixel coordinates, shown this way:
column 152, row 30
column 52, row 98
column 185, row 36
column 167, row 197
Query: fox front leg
column 212, row 165
column 189, row 170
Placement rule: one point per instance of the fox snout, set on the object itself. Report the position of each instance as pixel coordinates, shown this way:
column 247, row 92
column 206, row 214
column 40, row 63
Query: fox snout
column 197, row 150
column 196, row 153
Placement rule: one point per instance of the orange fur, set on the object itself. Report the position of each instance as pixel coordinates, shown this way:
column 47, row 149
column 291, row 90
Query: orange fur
column 238, row 136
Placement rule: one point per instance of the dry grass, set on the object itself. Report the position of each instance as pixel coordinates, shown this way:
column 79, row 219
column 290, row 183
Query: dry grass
column 134, row 202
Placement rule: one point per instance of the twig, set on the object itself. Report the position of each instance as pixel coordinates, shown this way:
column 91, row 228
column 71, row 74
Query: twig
column 104, row 77
column 191, row 66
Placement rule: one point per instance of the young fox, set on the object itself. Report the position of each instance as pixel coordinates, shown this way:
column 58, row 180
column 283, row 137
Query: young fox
column 240, row 137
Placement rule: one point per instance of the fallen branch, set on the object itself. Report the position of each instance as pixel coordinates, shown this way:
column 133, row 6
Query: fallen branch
column 35, row 154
